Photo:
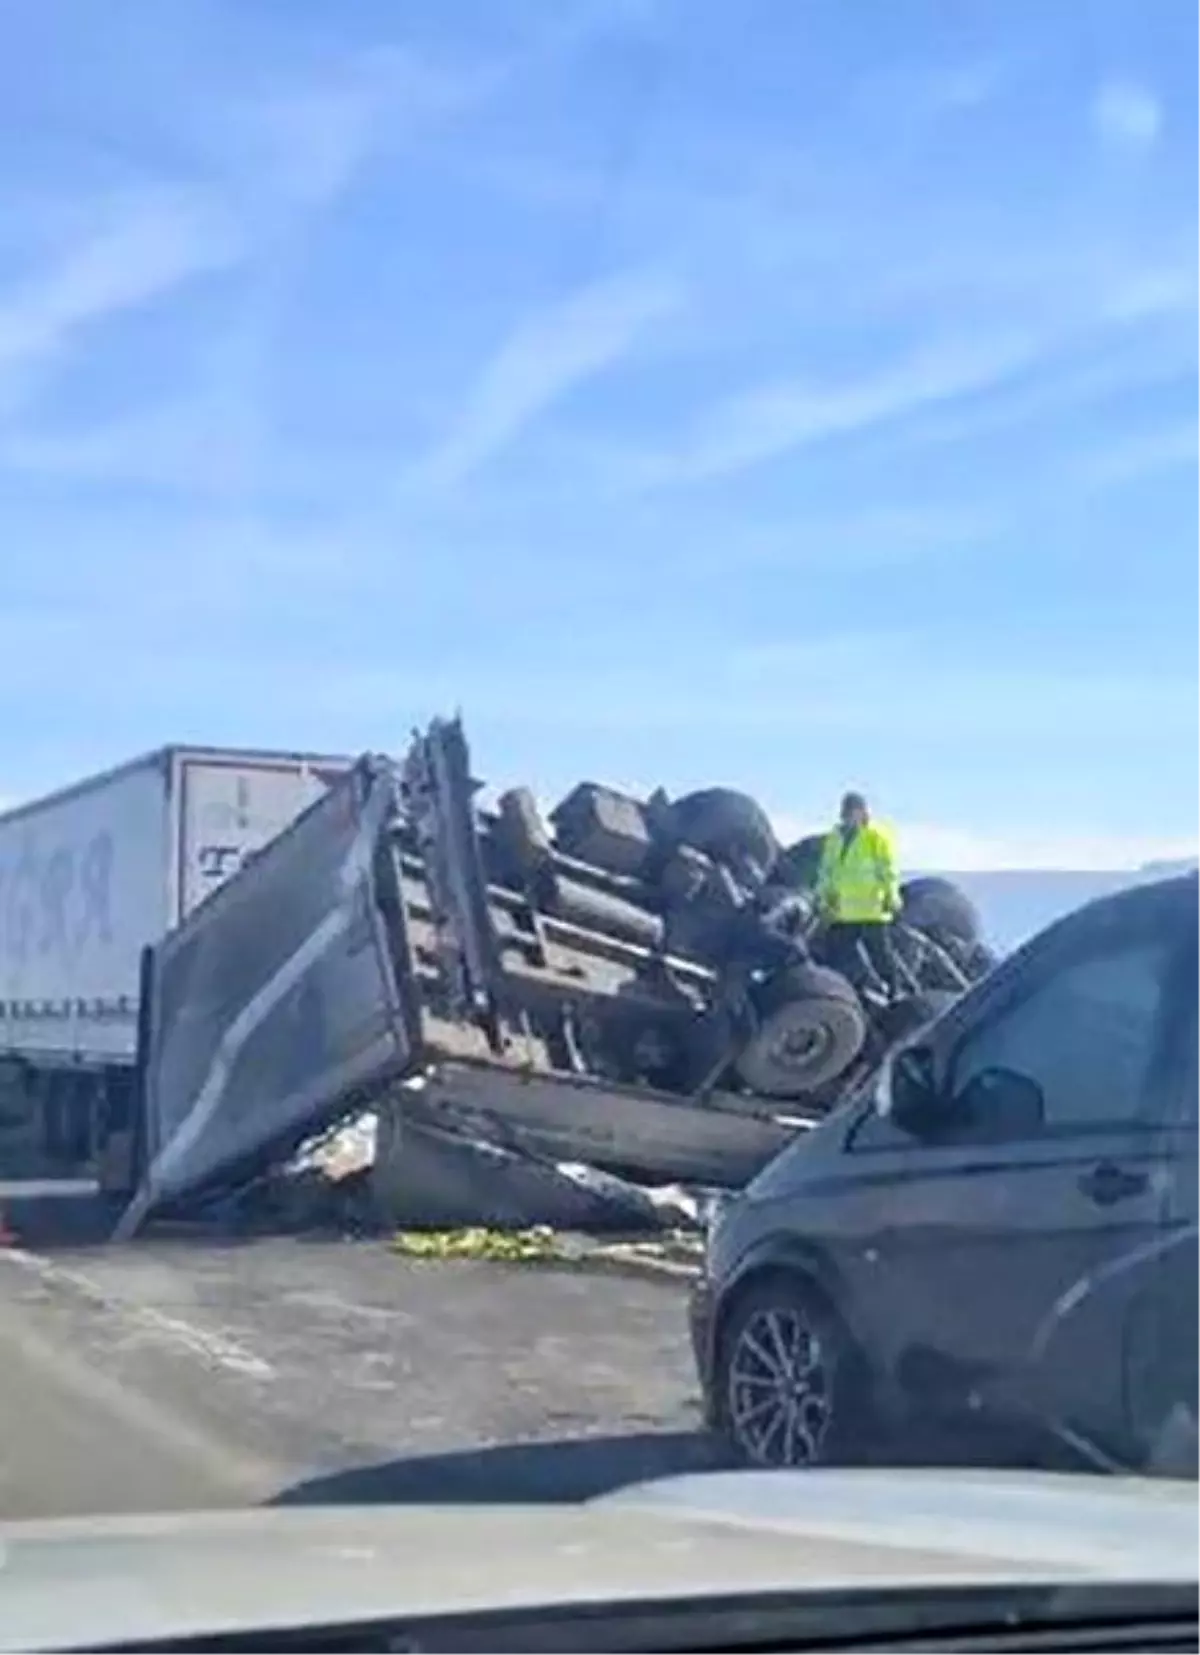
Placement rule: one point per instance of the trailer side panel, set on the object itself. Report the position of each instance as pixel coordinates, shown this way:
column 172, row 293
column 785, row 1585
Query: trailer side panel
column 232, row 804
column 82, row 889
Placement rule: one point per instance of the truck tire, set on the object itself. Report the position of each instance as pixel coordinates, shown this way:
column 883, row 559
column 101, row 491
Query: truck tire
column 941, row 908
column 811, row 1028
column 971, row 960
column 682, row 876
column 980, row 959
column 797, row 866
column 900, row 1020
column 727, row 825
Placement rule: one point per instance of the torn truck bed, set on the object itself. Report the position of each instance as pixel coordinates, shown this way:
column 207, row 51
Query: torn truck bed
column 330, row 969
column 650, row 1136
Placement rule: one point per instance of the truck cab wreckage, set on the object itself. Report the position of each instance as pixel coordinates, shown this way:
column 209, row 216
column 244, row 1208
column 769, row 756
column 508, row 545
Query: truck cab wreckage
column 635, row 986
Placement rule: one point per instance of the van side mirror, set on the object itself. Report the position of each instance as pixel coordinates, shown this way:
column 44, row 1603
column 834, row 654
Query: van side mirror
column 915, row 1101
column 1002, row 1104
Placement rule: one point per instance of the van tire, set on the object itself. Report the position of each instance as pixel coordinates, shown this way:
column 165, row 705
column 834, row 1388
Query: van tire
column 829, row 1422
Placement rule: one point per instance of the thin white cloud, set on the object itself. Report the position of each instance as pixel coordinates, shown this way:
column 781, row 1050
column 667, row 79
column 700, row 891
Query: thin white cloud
column 306, row 144
column 1123, row 361
column 871, row 537
column 272, row 161
column 1142, row 454
column 947, row 89
column 141, row 245
column 543, row 359
column 1151, row 293
column 315, row 141
column 194, row 445
column 768, row 421
column 1127, row 115
column 910, row 98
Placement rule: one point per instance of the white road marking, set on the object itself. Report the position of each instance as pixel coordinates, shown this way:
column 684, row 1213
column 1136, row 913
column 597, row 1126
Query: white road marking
column 209, row 1345
column 46, row 1189
column 209, row 1465
column 322, row 1299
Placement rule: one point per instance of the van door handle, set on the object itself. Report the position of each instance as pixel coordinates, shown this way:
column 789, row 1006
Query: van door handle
column 1108, row 1183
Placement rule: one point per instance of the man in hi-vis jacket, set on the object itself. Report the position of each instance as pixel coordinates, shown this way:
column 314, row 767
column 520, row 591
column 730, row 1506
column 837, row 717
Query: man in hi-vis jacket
column 858, row 889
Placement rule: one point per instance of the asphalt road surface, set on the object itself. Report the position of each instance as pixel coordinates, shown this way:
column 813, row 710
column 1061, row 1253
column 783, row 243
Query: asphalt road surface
column 193, row 1373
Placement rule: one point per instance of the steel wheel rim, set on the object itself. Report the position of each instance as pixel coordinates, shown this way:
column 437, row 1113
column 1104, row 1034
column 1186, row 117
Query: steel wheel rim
column 780, row 1393
column 799, row 1048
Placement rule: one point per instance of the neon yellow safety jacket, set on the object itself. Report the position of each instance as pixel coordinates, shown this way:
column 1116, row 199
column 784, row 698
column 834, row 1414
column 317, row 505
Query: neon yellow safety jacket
column 858, row 882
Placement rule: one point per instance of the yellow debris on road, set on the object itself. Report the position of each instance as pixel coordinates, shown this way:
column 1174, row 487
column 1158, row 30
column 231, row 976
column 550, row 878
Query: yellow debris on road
column 477, row 1242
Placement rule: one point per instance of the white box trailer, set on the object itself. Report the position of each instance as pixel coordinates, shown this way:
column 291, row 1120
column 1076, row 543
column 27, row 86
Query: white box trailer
column 92, row 874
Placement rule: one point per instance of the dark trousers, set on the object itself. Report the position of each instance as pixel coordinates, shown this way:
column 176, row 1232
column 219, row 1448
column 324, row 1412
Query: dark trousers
column 844, row 945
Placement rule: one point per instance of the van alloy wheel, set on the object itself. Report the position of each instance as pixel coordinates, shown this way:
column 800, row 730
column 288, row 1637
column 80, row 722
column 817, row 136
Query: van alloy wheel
column 780, row 1387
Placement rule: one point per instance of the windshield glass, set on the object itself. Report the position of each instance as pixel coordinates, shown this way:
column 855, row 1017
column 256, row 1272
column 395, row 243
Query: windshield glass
column 598, row 816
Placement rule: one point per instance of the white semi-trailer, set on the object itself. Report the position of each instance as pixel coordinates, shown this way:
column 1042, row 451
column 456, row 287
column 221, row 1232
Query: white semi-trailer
column 88, row 877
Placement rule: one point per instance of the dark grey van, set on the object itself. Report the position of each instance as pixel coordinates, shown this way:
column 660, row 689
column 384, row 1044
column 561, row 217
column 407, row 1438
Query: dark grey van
column 1001, row 1232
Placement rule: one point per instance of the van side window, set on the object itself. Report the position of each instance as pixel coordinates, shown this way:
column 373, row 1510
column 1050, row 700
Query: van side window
column 1086, row 1036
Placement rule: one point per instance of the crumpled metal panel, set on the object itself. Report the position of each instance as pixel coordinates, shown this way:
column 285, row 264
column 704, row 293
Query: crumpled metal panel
column 273, row 1001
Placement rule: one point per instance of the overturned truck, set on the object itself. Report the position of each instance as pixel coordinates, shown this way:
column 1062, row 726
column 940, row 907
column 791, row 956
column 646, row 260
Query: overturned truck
column 636, row 985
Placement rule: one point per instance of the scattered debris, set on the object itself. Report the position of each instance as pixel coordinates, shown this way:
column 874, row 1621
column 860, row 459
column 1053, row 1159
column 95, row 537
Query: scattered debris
column 676, row 1255
column 386, row 1169
column 344, row 1151
column 508, row 1246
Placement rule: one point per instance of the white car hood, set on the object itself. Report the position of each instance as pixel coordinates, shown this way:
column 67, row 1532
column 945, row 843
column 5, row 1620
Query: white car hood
column 86, row 1581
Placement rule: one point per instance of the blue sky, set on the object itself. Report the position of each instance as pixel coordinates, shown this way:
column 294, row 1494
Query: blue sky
column 794, row 393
